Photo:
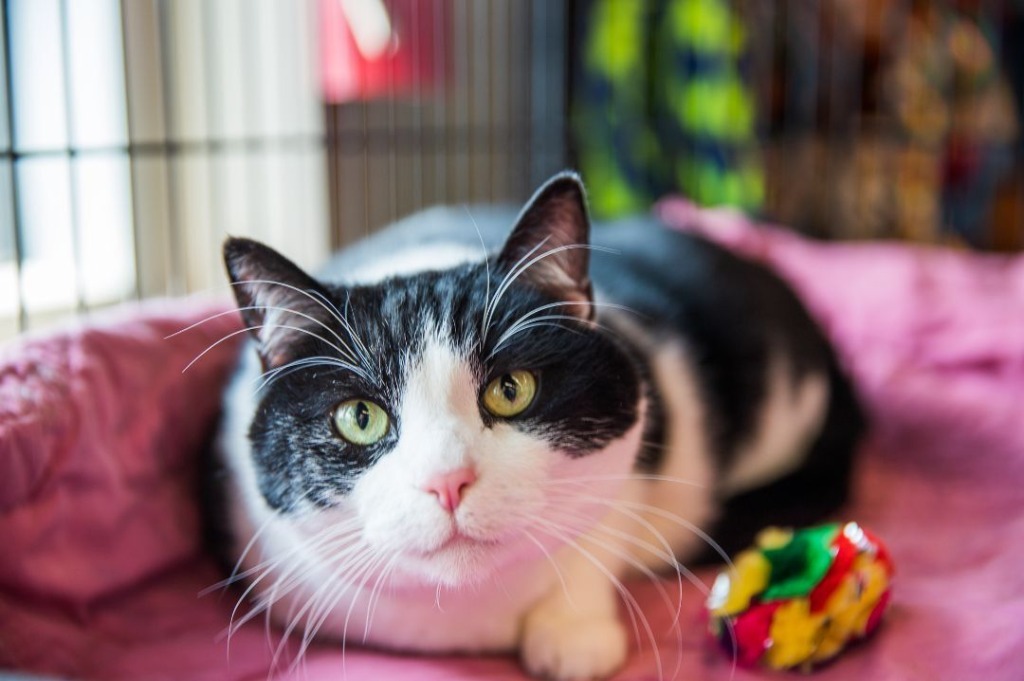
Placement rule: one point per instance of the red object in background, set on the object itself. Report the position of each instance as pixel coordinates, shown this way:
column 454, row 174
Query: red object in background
column 414, row 61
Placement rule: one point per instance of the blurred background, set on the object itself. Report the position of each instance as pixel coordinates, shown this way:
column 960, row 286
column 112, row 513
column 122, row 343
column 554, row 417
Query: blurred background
column 136, row 134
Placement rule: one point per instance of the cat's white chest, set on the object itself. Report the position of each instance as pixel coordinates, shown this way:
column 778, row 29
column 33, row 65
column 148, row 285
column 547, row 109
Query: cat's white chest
column 483, row 619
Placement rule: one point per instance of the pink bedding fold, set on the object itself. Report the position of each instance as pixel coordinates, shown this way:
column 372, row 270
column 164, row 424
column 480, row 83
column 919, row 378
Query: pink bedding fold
column 100, row 435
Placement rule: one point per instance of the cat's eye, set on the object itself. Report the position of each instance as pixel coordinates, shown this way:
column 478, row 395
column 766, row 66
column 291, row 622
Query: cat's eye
column 511, row 393
column 361, row 422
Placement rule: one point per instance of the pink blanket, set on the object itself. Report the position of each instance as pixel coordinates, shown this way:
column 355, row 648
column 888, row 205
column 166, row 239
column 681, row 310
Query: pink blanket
column 101, row 566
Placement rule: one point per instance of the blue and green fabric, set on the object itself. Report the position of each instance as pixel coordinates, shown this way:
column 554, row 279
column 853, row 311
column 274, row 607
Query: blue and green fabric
column 661, row 105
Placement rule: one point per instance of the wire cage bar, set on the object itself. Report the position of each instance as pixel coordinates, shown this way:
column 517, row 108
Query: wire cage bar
column 137, row 134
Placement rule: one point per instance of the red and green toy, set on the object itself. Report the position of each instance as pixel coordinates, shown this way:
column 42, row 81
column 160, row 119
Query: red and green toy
column 799, row 597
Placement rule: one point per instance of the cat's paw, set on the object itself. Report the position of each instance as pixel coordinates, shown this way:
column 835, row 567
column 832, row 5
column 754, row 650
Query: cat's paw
column 568, row 647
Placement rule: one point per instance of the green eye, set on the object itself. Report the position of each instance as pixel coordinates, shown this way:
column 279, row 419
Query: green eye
column 510, row 394
column 361, row 422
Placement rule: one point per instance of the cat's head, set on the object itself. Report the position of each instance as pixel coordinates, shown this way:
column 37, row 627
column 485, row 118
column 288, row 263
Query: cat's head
column 456, row 420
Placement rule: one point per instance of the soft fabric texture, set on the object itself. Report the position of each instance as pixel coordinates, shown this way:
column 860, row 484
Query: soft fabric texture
column 101, row 434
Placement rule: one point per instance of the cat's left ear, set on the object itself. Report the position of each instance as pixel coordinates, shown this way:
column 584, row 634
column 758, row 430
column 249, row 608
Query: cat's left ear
column 280, row 303
column 550, row 240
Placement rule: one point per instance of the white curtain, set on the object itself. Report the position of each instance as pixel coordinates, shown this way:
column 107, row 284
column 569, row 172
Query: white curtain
column 141, row 134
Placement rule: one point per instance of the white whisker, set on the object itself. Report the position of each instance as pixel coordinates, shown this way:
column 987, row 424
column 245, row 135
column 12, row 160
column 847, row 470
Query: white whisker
column 362, row 357
column 619, row 504
column 377, row 592
column 518, row 270
column 492, row 303
column 564, row 303
column 318, row 299
column 224, row 313
column 674, row 609
column 273, row 375
column 664, row 553
column 672, row 517
column 540, row 321
column 351, row 567
column 625, row 477
column 668, row 558
column 554, row 564
column 364, row 353
column 487, row 275
column 348, row 615
column 288, row 310
column 320, row 603
column 632, row 606
column 260, row 326
column 234, row 576
column 272, row 566
column 223, row 339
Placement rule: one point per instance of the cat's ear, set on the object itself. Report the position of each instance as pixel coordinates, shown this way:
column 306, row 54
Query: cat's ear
column 279, row 302
column 550, row 241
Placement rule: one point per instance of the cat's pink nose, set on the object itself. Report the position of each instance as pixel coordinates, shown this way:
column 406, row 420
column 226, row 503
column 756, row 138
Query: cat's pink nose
column 451, row 486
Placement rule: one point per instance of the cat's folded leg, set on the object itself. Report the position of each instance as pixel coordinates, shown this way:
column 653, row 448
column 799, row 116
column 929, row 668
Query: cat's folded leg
column 574, row 632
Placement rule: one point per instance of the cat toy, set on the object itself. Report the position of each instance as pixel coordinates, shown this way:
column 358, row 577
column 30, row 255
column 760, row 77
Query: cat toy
column 797, row 598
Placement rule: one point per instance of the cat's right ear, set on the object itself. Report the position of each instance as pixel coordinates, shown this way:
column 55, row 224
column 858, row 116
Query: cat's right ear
column 280, row 303
column 548, row 244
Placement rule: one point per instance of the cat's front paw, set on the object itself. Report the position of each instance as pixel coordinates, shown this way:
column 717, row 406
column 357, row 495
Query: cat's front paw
column 567, row 646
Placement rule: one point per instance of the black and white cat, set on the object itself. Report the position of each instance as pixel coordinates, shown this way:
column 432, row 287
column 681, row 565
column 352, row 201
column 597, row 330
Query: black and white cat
column 427, row 449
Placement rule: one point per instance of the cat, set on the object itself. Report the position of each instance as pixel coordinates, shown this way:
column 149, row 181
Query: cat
column 451, row 442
